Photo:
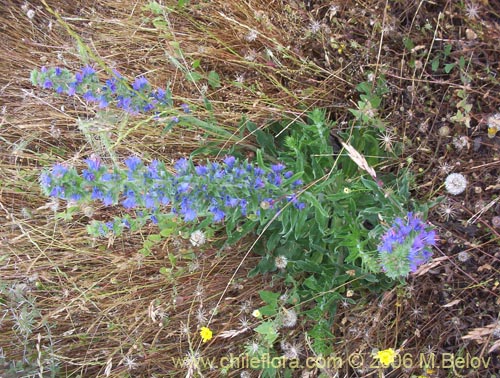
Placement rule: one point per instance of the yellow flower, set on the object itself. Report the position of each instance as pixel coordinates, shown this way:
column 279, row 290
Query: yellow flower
column 206, row 334
column 257, row 314
column 386, row 356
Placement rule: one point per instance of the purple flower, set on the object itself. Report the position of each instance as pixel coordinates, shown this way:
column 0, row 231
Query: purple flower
column 111, row 84
column 288, row 174
column 140, row 83
column 78, row 78
column 88, row 175
column 108, row 199
column 103, row 102
column 87, row 71
column 405, row 246
column 153, row 170
column 93, row 163
column 188, row 212
column 181, row 165
column 57, row 191
column 231, row 202
column 132, row 163
column 185, row 108
column 71, row 89
column 229, row 161
column 96, row 194
column 201, row 170
column 89, row 96
column 218, row 214
column 45, row 179
column 57, row 71
column 47, row 83
column 130, row 200
column 183, row 187
column 277, row 168
column 59, row 170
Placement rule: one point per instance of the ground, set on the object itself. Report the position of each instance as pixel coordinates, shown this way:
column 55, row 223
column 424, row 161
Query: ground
column 97, row 308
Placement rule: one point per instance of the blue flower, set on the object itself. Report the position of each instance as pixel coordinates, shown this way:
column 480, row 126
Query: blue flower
column 88, row 175
column 231, row 202
column 140, row 83
column 229, row 161
column 201, row 170
column 130, row 200
column 405, row 246
column 277, row 168
column 78, row 78
column 89, row 96
column 93, row 163
column 47, row 84
column 126, row 223
column 111, row 84
column 299, row 205
column 288, row 174
column 71, row 89
column 87, row 71
column 152, row 171
column 59, row 170
column 57, row 71
column 185, row 108
column 218, row 214
column 45, row 179
column 132, row 163
column 125, row 103
column 96, row 194
column 149, row 201
column 58, row 192
column 108, row 199
column 183, row 187
column 103, row 102
column 181, row 165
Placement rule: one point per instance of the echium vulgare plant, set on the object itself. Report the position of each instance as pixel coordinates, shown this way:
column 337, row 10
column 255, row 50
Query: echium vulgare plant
column 405, row 246
column 216, row 192
column 134, row 98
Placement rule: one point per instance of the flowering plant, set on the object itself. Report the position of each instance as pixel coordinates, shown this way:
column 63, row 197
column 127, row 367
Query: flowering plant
column 138, row 97
column 405, row 246
column 213, row 192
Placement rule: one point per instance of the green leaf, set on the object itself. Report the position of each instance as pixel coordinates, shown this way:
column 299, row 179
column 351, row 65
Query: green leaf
column 269, row 297
column 213, row 79
column 154, row 238
column 408, row 43
column 166, row 232
column 435, row 64
column 268, row 331
column 193, row 76
column 154, row 7
column 268, row 310
column 448, row 67
column 196, row 63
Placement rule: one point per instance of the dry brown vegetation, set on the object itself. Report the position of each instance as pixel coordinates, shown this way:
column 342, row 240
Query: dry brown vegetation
column 98, row 309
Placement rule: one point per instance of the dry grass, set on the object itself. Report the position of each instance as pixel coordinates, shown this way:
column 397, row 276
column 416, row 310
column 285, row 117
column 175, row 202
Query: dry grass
column 96, row 307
